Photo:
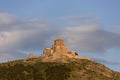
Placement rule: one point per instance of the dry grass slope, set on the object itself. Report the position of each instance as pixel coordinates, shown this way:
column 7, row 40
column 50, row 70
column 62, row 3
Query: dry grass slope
column 35, row 69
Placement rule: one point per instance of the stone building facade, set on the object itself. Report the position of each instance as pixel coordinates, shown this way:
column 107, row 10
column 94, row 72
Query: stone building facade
column 31, row 56
column 58, row 51
column 58, row 48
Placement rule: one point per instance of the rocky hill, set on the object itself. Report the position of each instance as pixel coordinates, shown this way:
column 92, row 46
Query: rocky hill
column 56, row 63
column 35, row 69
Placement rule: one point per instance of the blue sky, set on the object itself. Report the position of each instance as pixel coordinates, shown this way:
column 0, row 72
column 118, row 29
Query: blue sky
column 91, row 27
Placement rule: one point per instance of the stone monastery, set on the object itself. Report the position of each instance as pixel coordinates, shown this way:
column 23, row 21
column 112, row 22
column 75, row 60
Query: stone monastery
column 58, row 51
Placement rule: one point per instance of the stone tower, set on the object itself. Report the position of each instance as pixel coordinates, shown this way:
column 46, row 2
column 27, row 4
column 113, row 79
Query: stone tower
column 31, row 56
column 59, row 47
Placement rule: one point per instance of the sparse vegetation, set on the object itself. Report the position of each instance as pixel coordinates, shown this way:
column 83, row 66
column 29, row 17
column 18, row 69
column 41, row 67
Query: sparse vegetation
column 74, row 70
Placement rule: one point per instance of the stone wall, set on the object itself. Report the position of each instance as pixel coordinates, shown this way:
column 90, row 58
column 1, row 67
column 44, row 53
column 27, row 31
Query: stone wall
column 31, row 56
column 58, row 48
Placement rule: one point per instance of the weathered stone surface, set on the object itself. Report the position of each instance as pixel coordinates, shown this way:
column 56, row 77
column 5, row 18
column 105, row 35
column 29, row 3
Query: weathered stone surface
column 59, row 47
column 31, row 56
column 48, row 51
column 59, row 51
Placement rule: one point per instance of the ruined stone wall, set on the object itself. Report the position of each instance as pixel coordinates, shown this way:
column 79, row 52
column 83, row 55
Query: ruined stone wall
column 59, row 50
column 48, row 51
column 31, row 56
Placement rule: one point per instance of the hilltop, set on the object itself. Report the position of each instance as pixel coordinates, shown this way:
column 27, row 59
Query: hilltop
column 35, row 69
column 58, row 52
column 56, row 63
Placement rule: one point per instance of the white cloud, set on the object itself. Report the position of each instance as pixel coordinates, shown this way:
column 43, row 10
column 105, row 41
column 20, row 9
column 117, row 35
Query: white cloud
column 25, row 35
column 90, row 39
column 115, row 29
column 6, row 19
column 22, row 36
